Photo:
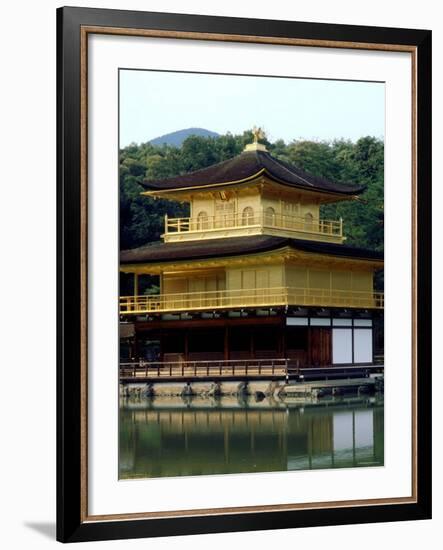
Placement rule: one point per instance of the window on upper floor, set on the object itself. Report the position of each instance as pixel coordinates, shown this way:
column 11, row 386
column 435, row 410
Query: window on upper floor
column 290, row 218
column 224, row 213
column 248, row 216
column 309, row 221
column 202, row 220
column 269, row 216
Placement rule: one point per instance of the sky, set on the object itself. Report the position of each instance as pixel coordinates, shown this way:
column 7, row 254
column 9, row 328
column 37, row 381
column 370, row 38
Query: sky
column 154, row 103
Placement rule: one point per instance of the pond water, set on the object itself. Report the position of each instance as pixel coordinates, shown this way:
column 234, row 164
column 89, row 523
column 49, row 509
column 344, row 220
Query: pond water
column 179, row 437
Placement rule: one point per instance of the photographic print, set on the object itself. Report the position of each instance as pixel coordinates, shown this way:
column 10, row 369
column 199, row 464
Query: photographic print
column 251, row 274
column 228, row 193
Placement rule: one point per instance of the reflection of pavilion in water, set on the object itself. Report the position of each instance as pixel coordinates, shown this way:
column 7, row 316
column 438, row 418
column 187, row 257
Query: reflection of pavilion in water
column 158, row 441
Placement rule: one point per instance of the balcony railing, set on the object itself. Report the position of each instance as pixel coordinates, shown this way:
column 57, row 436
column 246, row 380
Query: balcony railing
column 271, row 221
column 244, row 298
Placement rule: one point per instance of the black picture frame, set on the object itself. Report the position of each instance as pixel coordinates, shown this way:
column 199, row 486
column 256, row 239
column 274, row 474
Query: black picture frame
column 72, row 525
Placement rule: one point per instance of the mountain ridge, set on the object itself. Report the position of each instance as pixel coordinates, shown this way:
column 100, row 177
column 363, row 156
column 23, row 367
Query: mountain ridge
column 176, row 139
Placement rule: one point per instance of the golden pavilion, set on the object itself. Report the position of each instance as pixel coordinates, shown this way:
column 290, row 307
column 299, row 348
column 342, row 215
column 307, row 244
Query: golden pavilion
column 254, row 273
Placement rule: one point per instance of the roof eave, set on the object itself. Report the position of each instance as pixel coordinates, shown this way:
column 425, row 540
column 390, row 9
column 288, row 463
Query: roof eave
column 279, row 245
column 343, row 195
column 157, row 191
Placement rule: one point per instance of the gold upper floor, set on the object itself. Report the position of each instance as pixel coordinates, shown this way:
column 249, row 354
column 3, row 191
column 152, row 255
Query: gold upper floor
column 261, row 208
column 280, row 278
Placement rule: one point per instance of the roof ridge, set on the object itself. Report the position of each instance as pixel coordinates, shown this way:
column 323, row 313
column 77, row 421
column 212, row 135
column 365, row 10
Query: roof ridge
column 300, row 172
column 289, row 168
column 154, row 180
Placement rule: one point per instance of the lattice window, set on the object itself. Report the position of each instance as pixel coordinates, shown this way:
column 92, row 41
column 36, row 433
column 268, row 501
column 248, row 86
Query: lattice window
column 224, row 213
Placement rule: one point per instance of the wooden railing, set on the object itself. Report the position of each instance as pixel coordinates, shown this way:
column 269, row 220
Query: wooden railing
column 204, row 369
column 242, row 298
column 235, row 221
column 268, row 368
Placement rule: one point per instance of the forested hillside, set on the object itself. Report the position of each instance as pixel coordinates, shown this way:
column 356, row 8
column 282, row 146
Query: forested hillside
column 177, row 138
column 141, row 218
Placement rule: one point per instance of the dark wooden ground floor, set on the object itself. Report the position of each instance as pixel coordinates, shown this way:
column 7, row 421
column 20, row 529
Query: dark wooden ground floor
column 306, row 341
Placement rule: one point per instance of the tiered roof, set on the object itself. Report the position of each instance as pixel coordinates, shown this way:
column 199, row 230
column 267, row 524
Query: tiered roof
column 246, row 167
column 237, row 246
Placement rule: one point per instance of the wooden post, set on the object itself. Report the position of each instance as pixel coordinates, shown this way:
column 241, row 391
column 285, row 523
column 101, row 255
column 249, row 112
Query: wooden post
column 309, row 354
column 186, row 345
column 136, row 347
column 135, row 284
column 131, row 350
column 161, row 339
column 226, row 344
column 282, row 341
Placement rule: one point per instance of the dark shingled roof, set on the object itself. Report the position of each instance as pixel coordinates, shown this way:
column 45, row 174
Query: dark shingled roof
column 247, row 165
column 237, row 246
